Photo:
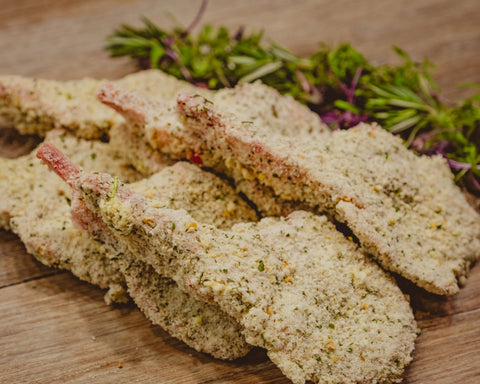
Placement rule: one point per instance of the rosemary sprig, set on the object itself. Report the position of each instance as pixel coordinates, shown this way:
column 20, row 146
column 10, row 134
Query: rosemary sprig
column 338, row 83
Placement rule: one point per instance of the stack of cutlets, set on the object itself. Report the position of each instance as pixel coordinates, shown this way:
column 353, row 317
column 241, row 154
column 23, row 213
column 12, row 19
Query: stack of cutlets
column 185, row 243
column 404, row 209
column 37, row 208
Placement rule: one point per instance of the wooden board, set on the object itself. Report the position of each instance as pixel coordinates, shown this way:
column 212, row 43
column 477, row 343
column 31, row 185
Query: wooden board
column 56, row 329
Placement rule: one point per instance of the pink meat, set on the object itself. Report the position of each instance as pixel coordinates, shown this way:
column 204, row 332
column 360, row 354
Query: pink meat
column 59, row 163
column 128, row 104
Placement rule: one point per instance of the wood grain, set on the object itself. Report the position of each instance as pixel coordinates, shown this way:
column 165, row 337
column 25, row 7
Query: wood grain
column 56, row 329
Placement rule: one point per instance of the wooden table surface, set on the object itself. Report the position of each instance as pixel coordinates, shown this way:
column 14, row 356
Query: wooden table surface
column 56, row 329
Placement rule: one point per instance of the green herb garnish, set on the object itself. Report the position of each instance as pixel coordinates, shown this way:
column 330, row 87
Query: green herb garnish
column 337, row 83
column 113, row 191
column 261, row 266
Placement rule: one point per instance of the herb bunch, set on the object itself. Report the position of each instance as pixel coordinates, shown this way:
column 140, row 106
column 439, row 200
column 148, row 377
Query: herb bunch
column 337, row 83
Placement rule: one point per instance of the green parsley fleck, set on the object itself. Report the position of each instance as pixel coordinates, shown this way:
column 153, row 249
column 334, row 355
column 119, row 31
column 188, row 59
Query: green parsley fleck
column 261, row 266
column 114, row 189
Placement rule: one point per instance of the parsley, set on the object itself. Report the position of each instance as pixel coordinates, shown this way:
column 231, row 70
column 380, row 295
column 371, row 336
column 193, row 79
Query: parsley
column 261, row 266
column 114, row 189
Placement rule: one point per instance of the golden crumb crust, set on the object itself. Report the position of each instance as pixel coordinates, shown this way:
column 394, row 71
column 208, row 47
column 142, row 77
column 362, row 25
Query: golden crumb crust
column 155, row 128
column 297, row 286
column 405, row 209
column 36, row 106
column 37, row 207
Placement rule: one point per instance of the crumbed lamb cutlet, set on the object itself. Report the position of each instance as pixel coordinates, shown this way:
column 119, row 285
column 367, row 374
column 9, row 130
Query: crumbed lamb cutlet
column 35, row 106
column 405, row 209
column 147, row 161
column 155, row 126
column 35, row 206
column 36, row 202
column 300, row 289
column 23, row 180
column 38, row 105
column 202, row 326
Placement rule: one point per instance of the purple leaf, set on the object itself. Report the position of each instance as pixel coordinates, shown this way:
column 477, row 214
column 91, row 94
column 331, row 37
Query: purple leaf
column 458, row 165
column 350, row 91
column 342, row 120
column 345, row 119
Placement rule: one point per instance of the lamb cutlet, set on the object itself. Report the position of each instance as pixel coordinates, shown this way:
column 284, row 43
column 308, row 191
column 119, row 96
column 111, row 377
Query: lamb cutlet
column 156, row 120
column 137, row 152
column 202, row 326
column 148, row 161
column 36, row 203
column 323, row 311
column 35, row 206
column 154, row 126
column 35, row 106
column 23, row 179
column 404, row 209
column 39, row 105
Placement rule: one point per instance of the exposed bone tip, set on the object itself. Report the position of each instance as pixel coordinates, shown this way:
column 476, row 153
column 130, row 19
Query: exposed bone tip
column 58, row 162
column 106, row 92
